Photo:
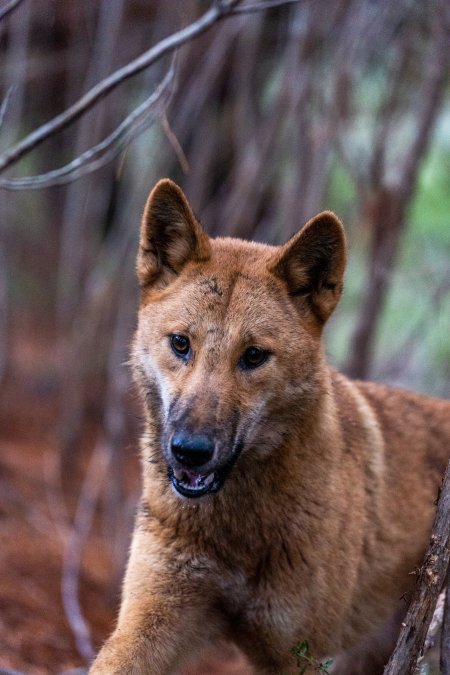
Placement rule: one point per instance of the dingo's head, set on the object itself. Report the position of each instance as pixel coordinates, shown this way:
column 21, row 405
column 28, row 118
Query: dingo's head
column 227, row 346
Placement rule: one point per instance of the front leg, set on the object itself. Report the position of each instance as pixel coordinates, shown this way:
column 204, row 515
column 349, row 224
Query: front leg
column 152, row 646
column 165, row 616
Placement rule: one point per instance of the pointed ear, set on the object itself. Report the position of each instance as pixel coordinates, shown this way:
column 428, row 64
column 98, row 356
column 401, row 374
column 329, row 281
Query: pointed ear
column 312, row 265
column 170, row 236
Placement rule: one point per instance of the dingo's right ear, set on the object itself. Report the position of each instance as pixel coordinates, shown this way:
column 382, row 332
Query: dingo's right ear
column 170, row 236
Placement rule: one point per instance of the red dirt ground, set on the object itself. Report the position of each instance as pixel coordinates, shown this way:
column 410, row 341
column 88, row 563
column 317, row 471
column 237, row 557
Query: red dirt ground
column 35, row 636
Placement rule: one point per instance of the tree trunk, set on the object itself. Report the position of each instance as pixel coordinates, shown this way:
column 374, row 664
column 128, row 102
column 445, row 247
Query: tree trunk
column 386, row 218
column 429, row 583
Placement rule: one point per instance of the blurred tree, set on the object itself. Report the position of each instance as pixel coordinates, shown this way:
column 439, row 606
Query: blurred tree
column 419, row 74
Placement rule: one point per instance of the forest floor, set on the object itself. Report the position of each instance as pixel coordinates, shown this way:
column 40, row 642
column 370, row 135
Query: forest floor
column 35, row 635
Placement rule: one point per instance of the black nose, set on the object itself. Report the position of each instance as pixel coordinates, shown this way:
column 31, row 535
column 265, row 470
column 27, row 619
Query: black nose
column 192, row 450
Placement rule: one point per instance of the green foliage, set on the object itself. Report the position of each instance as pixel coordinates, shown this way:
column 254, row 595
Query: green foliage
column 341, row 194
column 412, row 347
column 416, row 322
column 430, row 207
column 306, row 661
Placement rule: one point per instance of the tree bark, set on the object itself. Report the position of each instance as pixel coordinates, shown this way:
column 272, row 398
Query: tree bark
column 445, row 635
column 429, row 583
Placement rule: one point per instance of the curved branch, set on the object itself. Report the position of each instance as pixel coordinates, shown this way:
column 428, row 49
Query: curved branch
column 84, row 515
column 102, row 153
column 5, row 103
column 217, row 11
column 9, row 7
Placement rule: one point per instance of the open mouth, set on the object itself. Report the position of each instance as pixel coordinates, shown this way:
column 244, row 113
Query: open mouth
column 193, row 484
column 189, row 483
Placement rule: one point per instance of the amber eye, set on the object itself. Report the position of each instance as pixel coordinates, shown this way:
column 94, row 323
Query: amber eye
column 253, row 357
column 180, row 345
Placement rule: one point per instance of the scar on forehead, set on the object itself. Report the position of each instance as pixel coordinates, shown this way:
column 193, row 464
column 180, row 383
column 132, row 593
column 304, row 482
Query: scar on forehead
column 216, row 291
column 210, row 285
column 243, row 275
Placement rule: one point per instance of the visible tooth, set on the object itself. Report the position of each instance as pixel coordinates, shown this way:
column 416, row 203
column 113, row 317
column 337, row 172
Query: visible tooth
column 178, row 473
column 208, row 479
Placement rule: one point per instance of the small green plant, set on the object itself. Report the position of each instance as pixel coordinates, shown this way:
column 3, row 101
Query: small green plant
column 305, row 660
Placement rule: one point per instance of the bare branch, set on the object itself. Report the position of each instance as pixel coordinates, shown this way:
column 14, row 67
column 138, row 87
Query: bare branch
column 260, row 6
column 5, row 103
column 216, row 12
column 102, row 153
column 87, row 501
column 429, row 583
column 9, row 7
column 175, row 143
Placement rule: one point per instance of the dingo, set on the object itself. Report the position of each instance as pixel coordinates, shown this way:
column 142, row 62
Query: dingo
column 281, row 501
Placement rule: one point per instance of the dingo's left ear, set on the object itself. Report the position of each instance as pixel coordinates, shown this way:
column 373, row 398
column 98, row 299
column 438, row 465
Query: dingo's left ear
column 312, row 264
column 170, row 235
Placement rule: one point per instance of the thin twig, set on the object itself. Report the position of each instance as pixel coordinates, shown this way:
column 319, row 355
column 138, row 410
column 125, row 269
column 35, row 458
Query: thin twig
column 5, row 103
column 175, row 143
column 9, row 7
column 105, row 86
column 99, row 463
column 85, row 512
column 102, row 153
